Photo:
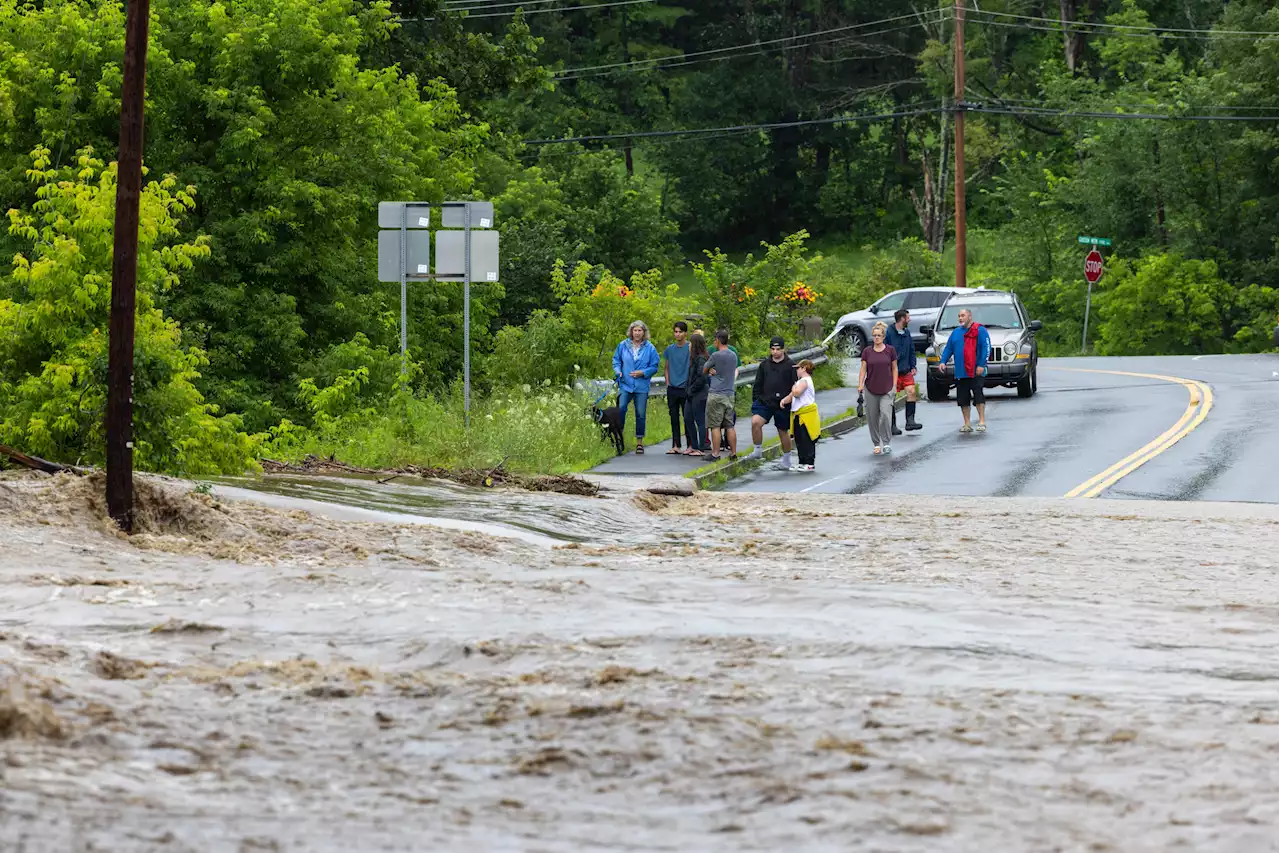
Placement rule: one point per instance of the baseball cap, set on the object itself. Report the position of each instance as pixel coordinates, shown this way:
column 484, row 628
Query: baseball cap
column 777, row 341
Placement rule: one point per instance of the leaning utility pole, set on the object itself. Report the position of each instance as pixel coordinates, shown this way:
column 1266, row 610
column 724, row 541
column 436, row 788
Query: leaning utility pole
column 124, row 268
column 958, row 47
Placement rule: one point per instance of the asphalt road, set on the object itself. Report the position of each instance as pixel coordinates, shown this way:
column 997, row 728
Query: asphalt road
column 1080, row 424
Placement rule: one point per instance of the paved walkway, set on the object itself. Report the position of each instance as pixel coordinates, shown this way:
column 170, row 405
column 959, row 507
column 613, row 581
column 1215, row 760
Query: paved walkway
column 656, row 461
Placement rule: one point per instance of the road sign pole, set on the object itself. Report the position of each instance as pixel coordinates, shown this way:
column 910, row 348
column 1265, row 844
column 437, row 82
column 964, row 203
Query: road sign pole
column 404, row 293
column 1084, row 338
column 1088, row 294
column 466, row 316
column 124, row 268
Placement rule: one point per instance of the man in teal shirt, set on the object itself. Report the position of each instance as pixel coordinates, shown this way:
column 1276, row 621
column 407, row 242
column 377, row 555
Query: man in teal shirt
column 675, row 359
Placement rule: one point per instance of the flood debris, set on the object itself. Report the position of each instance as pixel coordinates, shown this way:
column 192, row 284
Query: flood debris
column 113, row 667
column 498, row 475
column 23, row 712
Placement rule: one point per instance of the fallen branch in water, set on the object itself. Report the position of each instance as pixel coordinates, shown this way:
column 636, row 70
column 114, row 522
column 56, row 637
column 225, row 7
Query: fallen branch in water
column 38, row 464
column 495, row 476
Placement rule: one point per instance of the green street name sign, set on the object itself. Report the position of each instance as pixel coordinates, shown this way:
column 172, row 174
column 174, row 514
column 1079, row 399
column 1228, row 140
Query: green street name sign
column 1094, row 241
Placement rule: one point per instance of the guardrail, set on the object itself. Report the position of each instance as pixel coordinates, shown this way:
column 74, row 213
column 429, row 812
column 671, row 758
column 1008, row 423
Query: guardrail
column 746, row 374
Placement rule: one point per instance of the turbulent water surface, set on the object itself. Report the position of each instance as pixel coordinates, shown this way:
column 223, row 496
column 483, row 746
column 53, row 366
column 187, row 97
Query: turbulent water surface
column 722, row 672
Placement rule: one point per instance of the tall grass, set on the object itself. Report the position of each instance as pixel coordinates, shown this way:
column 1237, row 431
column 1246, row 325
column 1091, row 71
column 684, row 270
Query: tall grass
column 546, row 430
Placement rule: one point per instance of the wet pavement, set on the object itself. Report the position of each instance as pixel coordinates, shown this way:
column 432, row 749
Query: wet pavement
column 1076, row 426
column 724, row 672
column 656, row 460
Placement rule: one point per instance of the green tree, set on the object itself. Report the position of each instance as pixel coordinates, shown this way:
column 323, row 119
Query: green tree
column 53, row 321
column 1165, row 305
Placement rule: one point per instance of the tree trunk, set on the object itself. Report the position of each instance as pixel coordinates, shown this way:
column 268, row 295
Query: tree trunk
column 1072, row 40
column 626, row 94
column 931, row 206
column 1160, row 217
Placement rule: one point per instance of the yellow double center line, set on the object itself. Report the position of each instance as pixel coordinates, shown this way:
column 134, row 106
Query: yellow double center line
column 1198, row 406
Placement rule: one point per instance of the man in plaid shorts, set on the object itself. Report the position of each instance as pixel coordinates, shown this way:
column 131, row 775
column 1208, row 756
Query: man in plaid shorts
column 900, row 339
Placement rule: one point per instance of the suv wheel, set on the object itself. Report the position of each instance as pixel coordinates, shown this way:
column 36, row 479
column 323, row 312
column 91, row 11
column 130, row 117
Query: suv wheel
column 1027, row 384
column 936, row 391
column 851, row 342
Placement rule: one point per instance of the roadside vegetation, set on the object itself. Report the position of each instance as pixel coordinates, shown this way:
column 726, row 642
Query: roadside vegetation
column 274, row 127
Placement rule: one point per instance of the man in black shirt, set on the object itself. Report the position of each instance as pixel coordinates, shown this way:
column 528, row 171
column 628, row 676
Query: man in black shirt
column 774, row 378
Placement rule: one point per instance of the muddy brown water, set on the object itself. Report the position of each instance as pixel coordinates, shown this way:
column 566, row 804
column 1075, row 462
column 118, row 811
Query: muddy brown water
column 723, row 672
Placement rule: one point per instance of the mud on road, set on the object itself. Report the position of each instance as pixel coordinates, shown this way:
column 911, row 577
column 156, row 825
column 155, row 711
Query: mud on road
column 743, row 673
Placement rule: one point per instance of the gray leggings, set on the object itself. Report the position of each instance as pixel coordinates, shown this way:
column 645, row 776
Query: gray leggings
column 879, row 415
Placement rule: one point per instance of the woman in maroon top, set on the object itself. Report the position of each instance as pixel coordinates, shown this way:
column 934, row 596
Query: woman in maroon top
column 877, row 378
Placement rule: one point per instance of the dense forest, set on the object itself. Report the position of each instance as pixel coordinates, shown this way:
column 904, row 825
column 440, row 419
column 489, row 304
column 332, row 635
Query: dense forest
column 646, row 158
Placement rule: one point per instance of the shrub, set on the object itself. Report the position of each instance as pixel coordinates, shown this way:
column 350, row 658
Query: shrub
column 53, row 318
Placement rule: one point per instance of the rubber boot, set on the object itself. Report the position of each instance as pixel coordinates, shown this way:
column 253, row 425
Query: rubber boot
column 912, row 425
column 893, row 424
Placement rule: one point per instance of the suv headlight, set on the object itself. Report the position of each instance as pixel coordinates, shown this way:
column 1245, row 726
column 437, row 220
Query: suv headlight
column 1010, row 348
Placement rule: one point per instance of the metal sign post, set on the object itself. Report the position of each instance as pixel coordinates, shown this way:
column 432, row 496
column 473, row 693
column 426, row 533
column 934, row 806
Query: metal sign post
column 466, row 317
column 1092, row 272
column 404, row 294
column 404, row 255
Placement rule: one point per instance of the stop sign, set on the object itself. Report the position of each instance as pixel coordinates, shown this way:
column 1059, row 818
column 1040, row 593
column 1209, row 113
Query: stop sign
column 1093, row 266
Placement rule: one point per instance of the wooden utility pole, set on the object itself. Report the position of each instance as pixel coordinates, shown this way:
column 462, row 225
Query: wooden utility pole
column 124, row 267
column 958, row 47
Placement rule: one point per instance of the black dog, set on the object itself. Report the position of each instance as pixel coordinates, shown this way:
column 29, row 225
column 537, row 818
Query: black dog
column 610, row 420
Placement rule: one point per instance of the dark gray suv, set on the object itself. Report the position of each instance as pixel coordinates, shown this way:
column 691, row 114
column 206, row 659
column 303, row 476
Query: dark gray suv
column 1014, row 355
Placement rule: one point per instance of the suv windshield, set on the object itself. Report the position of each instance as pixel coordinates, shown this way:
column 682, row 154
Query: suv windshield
column 993, row 315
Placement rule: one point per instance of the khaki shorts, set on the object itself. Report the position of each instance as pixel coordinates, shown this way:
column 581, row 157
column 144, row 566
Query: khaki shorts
column 720, row 414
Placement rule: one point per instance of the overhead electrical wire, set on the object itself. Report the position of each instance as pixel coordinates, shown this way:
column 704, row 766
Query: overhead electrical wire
column 939, row 14
column 1047, row 112
column 1036, row 101
column 1145, row 30
column 968, row 106
column 660, row 63
column 698, row 131
column 485, row 5
column 1057, row 28
column 580, row 8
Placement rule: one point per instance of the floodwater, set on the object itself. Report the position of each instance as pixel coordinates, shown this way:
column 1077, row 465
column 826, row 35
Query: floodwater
column 724, row 672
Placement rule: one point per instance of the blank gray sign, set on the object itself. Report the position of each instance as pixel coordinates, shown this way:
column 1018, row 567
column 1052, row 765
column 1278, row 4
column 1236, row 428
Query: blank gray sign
column 389, row 215
column 484, row 255
column 419, row 257
column 481, row 215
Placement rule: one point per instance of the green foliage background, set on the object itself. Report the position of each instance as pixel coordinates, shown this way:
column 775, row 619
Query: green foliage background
column 274, row 127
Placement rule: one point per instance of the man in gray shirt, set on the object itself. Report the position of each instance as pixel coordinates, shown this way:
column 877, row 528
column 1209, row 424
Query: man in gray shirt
column 722, row 367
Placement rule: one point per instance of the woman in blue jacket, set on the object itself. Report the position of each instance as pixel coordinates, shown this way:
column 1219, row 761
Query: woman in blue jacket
column 634, row 363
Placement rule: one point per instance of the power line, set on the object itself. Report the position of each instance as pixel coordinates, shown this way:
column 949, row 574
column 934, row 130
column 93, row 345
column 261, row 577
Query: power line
column 582, row 8
column 482, row 5
column 699, row 131
column 921, row 17
column 1151, row 29
column 1060, row 29
column 1035, row 101
column 1055, row 113
column 661, row 63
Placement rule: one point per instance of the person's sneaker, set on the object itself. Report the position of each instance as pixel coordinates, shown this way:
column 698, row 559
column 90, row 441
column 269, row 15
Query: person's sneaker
column 757, row 453
column 887, row 450
column 801, row 468
column 710, row 457
column 733, row 457
column 981, row 428
column 966, row 428
column 783, row 466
